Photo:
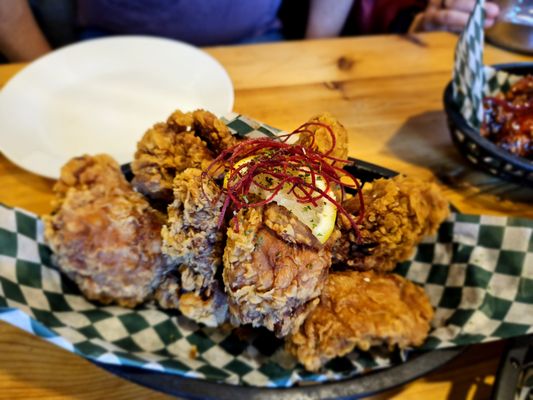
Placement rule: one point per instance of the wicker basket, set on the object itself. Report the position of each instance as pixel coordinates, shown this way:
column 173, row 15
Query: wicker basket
column 480, row 151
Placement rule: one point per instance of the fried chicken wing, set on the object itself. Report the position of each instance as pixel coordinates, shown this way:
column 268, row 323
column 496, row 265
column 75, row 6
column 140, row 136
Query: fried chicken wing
column 274, row 269
column 104, row 235
column 193, row 241
column 399, row 212
column 360, row 310
column 320, row 138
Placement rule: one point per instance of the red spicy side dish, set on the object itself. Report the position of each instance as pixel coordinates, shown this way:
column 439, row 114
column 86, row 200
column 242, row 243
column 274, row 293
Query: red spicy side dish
column 508, row 119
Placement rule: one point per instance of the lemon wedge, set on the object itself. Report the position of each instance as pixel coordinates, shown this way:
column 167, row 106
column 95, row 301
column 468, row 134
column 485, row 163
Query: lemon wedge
column 320, row 218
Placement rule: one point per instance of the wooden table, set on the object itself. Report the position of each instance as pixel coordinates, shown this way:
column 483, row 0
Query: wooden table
column 387, row 91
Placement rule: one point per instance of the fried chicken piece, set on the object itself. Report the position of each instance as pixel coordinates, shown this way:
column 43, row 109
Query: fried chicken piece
column 193, row 241
column 274, row 269
column 209, row 308
column 360, row 310
column 206, row 126
column 88, row 172
column 320, row 138
column 399, row 212
column 213, row 131
column 186, row 140
column 104, row 235
column 163, row 152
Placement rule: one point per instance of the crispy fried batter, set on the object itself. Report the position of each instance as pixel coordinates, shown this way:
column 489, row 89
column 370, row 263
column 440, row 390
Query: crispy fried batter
column 213, row 131
column 399, row 212
column 186, row 140
column 321, row 138
column 206, row 126
column 162, row 153
column 269, row 281
column 192, row 239
column 104, row 235
column 89, row 172
column 360, row 310
column 211, row 308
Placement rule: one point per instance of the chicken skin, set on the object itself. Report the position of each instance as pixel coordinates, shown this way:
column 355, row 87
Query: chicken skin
column 274, row 269
column 104, row 235
column 193, row 241
column 185, row 140
column 360, row 310
column 399, row 212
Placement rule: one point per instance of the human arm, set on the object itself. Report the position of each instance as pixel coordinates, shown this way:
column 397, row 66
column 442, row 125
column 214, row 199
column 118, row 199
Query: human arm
column 327, row 17
column 451, row 15
column 21, row 39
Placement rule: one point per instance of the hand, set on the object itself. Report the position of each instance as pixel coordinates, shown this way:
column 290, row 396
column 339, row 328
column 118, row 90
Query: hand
column 451, row 15
column 326, row 18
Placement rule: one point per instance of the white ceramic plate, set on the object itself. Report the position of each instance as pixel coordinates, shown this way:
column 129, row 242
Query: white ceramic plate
column 101, row 96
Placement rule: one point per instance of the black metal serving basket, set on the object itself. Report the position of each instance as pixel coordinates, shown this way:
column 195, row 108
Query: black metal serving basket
column 480, row 151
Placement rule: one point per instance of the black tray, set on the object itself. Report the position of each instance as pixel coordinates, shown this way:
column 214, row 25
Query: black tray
column 417, row 365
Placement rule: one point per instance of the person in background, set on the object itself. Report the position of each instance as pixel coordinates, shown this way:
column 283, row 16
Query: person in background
column 362, row 17
column 199, row 22
column 27, row 33
column 217, row 22
column 21, row 39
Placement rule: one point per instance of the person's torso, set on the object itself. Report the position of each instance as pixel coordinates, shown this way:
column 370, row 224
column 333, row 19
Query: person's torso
column 200, row 22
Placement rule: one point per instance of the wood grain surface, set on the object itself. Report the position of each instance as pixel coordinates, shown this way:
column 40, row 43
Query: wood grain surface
column 387, row 91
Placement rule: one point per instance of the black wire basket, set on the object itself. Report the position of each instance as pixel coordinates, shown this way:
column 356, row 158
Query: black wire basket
column 480, row 151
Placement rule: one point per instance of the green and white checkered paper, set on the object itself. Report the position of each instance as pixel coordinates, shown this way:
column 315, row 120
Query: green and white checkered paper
column 477, row 271
column 472, row 81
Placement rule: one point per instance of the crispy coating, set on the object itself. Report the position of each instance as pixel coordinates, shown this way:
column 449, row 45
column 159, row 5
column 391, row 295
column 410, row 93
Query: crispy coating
column 97, row 172
column 321, row 137
column 360, row 310
column 399, row 212
column 193, row 241
column 103, row 234
column 209, row 308
column 185, row 140
column 270, row 281
column 213, row 131
column 162, row 153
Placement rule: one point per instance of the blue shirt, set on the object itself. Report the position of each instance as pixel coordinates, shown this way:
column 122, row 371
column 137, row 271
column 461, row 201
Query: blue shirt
column 200, row 22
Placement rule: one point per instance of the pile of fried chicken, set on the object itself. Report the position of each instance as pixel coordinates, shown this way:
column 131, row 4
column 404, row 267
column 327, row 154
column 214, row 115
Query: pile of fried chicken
column 160, row 238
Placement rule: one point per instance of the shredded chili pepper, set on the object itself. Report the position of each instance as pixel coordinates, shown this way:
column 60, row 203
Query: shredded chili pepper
column 275, row 164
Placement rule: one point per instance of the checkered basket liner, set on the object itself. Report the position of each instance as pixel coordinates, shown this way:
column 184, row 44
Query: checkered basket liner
column 472, row 81
column 468, row 78
column 477, row 271
column 497, row 81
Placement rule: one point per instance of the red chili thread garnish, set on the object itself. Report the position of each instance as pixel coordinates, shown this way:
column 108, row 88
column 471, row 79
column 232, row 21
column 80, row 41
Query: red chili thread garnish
column 279, row 163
